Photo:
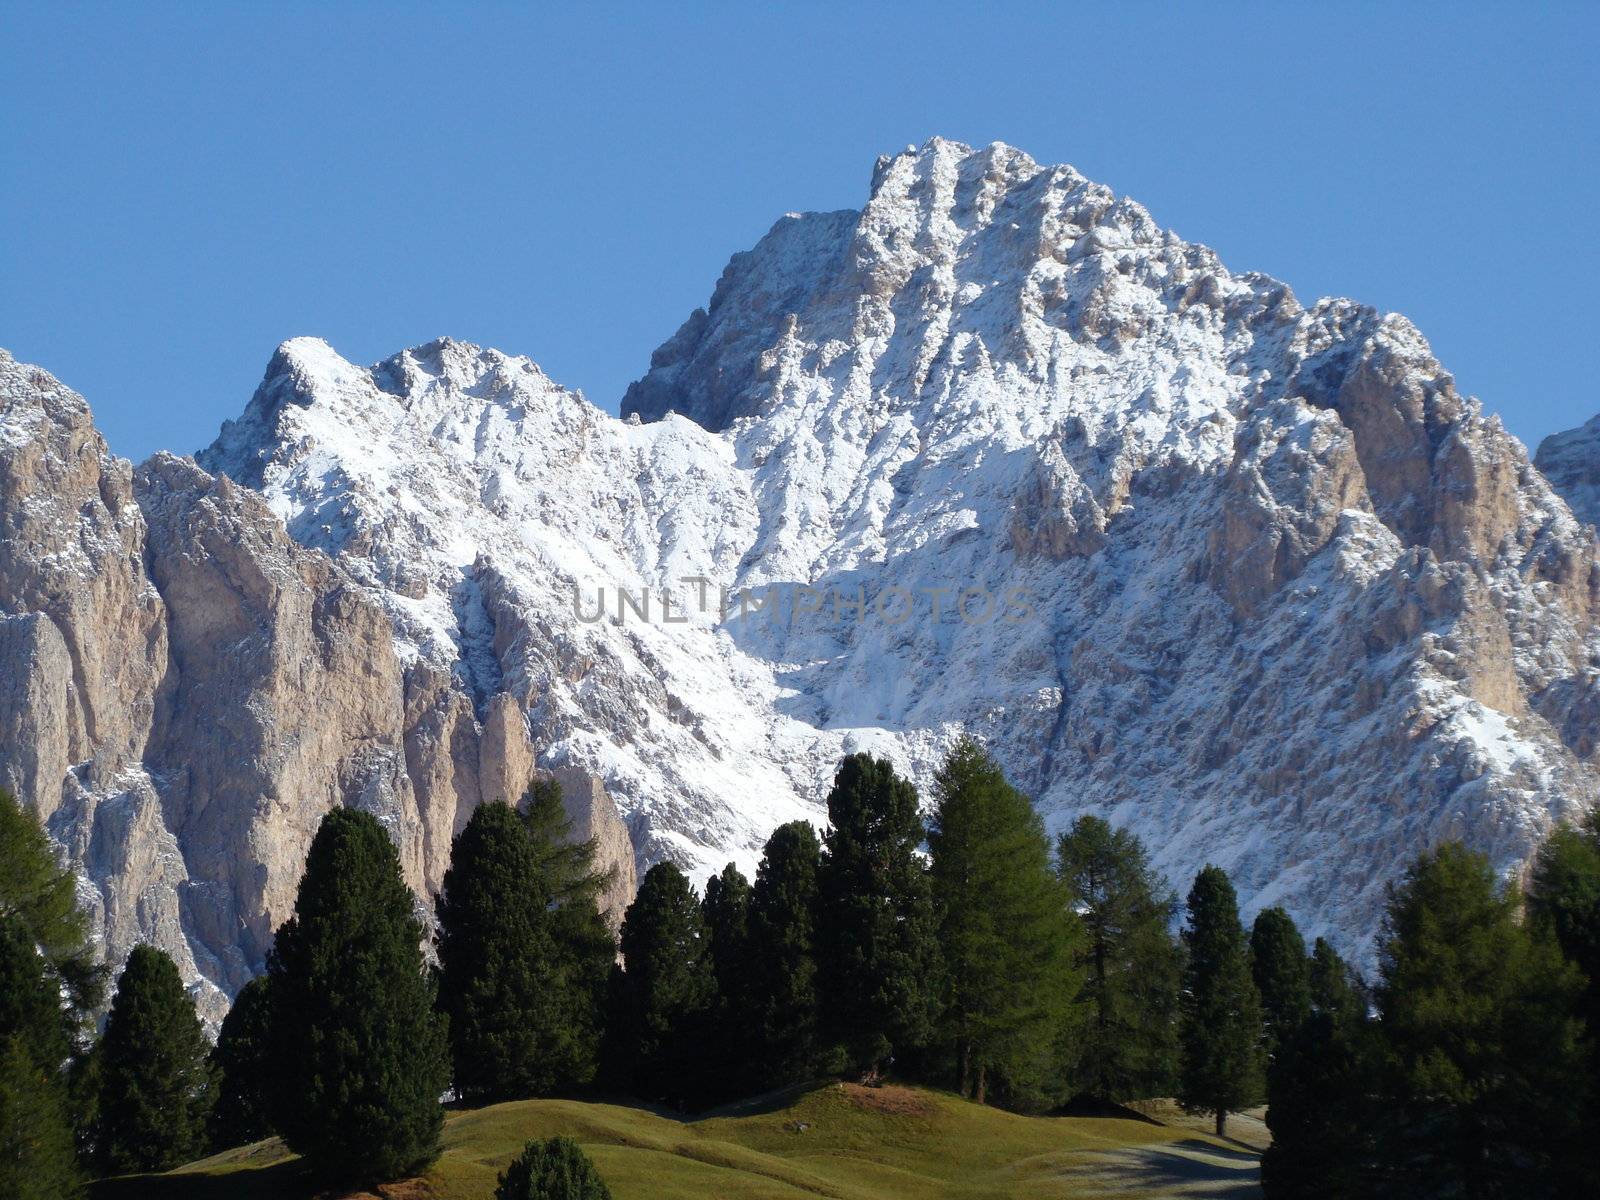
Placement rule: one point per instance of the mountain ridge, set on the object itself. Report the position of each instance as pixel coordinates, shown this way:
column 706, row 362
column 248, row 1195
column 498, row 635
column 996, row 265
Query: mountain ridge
column 1295, row 606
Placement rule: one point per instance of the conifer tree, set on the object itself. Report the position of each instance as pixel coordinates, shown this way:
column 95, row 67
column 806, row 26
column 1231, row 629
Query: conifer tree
column 781, row 992
column 500, row 980
column 665, row 992
column 585, row 945
column 553, row 1169
column 1487, row 1082
column 1564, row 901
column 1126, row 1046
column 725, row 910
column 36, row 1141
column 1006, row 935
column 1282, row 975
column 36, row 1149
column 155, row 1082
column 1564, row 905
column 877, row 948
column 39, row 910
column 362, row 1058
column 1221, row 1061
column 41, row 899
column 1322, row 1108
column 242, row 1067
column 1333, row 986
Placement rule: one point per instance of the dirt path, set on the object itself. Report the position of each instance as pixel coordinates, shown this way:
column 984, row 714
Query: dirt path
column 1177, row 1169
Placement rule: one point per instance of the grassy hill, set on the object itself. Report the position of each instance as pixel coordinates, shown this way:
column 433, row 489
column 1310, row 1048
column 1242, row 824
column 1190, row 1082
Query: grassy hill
column 837, row 1140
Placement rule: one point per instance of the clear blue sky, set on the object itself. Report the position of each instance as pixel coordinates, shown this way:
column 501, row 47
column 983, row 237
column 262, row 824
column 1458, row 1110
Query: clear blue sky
column 182, row 188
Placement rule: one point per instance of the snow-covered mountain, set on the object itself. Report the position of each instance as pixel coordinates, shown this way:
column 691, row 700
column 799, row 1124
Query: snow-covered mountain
column 995, row 454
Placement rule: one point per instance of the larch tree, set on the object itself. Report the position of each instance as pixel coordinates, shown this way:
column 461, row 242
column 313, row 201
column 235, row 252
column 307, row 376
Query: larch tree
column 1006, row 934
column 1126, row 1044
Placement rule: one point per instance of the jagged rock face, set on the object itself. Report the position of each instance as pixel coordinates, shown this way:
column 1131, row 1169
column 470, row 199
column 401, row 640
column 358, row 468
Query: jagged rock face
column 187, row 691
column 1571, row 462
column 995, row 454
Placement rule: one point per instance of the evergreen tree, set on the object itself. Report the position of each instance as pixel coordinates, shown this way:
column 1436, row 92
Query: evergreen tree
column 1564, row 905
column 877, row 948
column 1333, row 986
column 500, row 980
column 665, row 993
column 362, row 1058
column 1220, row 1066
column 781, row 991
column 1127, row 1044
column 31, row 1008
column 36, row 1148
column 725, row 911
column 1487, row 1081
column 155, row 1084
column 554, row 1169
column 1564, row 901
column 1006, row 935
column 1282, row 975
column 242, row 1066
column 42, row 899
column 1322, row 1109
column 585, row 945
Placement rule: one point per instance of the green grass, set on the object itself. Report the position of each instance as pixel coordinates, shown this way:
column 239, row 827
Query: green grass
column 835, row 1141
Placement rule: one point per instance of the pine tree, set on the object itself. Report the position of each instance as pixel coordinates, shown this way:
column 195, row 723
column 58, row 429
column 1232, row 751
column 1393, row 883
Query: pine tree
column 362, row 1058
column 1564, row 900
column 1282, row 975
column 1564, row 906
column 1333, row 986
column 1221, row 1067
column 1322, row 1109
column 42, row 898
column 665, row 993
column 877, row 947
column 1487, row 1081
column 585, row 945
column 36, row 1141
column 242, row 1066
column 39, row 913
column 500, row 980
column 36, row 1148
column 726, row 913
column 781, row 990
column 554, row 1169
column 1126, row 1047
column 725, row 910
column 155, row 1083
column 1006, row 934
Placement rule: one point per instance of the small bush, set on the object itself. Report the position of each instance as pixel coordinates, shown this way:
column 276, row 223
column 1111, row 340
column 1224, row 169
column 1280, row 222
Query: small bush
column 554, row 1169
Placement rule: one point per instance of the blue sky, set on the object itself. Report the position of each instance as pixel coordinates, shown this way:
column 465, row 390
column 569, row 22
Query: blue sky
column 181, row 188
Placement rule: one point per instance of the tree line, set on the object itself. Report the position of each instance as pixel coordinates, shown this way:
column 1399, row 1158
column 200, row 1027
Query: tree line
column 967, row 951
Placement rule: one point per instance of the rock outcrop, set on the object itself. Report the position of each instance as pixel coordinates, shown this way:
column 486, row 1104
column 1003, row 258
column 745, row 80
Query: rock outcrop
column 186, row 691
column 1571, row 462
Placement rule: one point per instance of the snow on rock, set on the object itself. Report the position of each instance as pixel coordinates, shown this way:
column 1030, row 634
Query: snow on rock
column 995, row 454
column 1259, row 583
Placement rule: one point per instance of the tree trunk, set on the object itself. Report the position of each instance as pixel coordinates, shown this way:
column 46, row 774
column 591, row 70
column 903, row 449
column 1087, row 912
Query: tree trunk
column 966, row 1069
column 983, row 1072
column 1222, row 1122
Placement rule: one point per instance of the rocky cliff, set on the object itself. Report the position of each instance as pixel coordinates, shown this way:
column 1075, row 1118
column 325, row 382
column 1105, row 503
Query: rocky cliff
column 185, row 691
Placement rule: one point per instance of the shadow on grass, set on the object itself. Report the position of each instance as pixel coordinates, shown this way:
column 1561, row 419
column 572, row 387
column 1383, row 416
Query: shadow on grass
column 287, row 1180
